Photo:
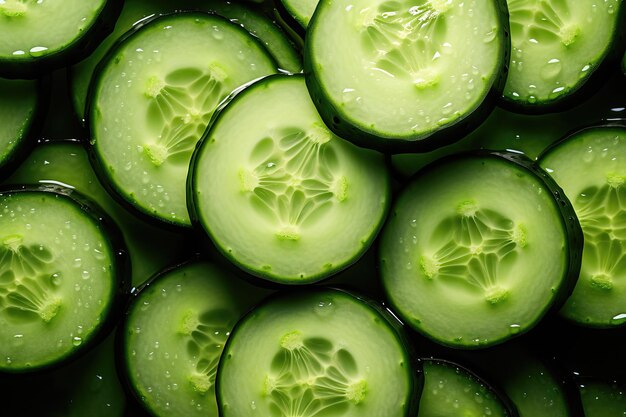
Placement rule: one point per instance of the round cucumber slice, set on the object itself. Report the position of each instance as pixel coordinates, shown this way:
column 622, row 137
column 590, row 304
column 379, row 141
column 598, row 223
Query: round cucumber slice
column 174, row 334
column 478, row 249
column 317, row 353
column 153, row 97
column 399, row 75
column 589, row 166
column 556, row 47
column 62, row 275
column 450, row 390
column 38, row 36
column 279, row 194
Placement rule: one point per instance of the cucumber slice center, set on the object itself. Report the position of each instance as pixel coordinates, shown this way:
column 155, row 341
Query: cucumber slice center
column 311, row 376
column 543, row 22
column 290, row 178
column 476, row 247
column 27, row 281
column 15, row 8
column 181, row 105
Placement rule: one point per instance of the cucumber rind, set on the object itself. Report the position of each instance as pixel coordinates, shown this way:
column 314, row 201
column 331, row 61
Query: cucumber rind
column 569, row 222
column 259, row 273
column 71, row 53
column 363, row 136
column 395, row 326
column 120, row 287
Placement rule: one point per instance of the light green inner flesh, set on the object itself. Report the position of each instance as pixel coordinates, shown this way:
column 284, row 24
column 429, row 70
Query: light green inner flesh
column 18, row 99
column 556, row 45
column 301, row 10
column 590, row 169
column 176, row 333
column 35, row 28
column 56, row 279
column 450, row 391
column 602, row 399
column 406, row 68
column 66, row 163
column 312, row 356
column 135, row 10
column 272, row 183
column 468, row 265
column 167, row 81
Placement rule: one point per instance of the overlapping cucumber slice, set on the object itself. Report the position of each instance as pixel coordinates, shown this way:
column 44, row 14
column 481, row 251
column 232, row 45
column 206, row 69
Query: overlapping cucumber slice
column 404, row 75
column 478, row 249
column 281, row 195
column 174, row 334
column 318, row 353
column 589, row 165
column 153, row 97
column 62, row 273
column 557, row 45
column 300, row 10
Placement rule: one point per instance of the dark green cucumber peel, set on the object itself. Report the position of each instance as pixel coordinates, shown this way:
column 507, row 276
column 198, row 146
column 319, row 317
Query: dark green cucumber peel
column 394, row 325
column 31, row 129
column 485, row 388
column 568, row 220
column 120, row 270
column 583, row 90
column 73, row 52
column 335, row 118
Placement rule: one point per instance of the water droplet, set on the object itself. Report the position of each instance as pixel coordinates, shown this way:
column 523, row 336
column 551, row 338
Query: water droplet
column 85, row 274
column 56, row 279
column 77, row 341
column 619, row 318
column 324, row 307
column 551, row 69
column 37, row 51
column 515, row 328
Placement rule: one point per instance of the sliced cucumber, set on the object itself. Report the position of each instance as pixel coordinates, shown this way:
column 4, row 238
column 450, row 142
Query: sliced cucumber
column 557, row 45
column 478, row 249
column 39, row 36
column 134, row 11
column 317, row 353
column 62, row 276
column 174, row 334
column 21, row 106
column 401, row 75
column 153, row 97
column 65, row 162
column 451, row 390
column 279, row 194
column 589, row 165
column 603, row 399
column 300, row 10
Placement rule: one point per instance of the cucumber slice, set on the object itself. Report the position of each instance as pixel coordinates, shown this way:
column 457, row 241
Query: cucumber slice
column 557, row 45
column 62, row 276
column 450, row 390
column 603, row 399
column 478, row 249
column 589, row 165
column 274, row 39
column 400, row 75
column 37, row 36
column 318, row 353
column 21, row 106
column 65, row 162
column 300, row 10
column 278, row 193
column 174, row 333
column 168, row 77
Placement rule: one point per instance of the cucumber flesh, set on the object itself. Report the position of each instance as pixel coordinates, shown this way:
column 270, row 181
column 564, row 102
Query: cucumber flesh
column 272, row 186
column 301, row 10
column 557, row 45
column 311, row 354
column 168, row 77
column 589, row 166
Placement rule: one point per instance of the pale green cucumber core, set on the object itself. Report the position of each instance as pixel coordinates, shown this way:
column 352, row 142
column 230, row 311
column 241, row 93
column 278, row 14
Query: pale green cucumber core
column 556, row 45
column 155, row 97
column 56, row 279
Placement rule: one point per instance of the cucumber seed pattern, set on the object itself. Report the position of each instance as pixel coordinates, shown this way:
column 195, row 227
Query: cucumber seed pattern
column 311, row 377
column 27, row 284
column 542, row 21
column 405, row 38
column 292, row 180
column 180, row 108
column 16, row 8
column 476, row 247
column 602, row 216
column 205, row 335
